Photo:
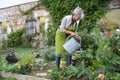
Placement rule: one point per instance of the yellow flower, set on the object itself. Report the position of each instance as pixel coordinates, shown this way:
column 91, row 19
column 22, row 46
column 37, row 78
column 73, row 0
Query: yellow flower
column 119, row 49
column 49, row 30
column 42, row 20
column 61, row 77
column 19, row 66
column 31, row 64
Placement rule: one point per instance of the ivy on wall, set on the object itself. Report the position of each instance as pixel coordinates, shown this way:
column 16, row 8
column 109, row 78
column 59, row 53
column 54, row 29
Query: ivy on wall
column 93, row 9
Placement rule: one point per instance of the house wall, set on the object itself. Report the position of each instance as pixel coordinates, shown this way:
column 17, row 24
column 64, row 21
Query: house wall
column 114, row 4
column 14, row 17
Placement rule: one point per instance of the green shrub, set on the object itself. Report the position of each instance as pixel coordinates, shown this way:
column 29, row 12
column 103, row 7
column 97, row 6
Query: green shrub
column 23, row 66
column 26, row 41
column 48, row 53
column 115, row 43
column 14, row 39
column 5, row 67
column 51, row 36
column 94, row 61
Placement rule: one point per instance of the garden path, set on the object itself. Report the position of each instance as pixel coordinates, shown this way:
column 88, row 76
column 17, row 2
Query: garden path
column 23, row 77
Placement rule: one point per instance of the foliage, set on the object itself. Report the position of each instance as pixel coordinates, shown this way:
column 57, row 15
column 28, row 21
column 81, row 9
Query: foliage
column 41, row 64
column 4, row 26
column 48, row 53
column 108, row 25
column 67, row 73
column 55, row 74
column 23, row 66
column 14, row 39
column 5, row 67
column 42, row 30
column 88, row 42
column 50, row 36
column 26, row 41
column 16, row 68
column 27, row 59
column 22, row 69
column 18, row 39
column 115, row 43
column 94, row 61
column 93, row 9
column 3, row 44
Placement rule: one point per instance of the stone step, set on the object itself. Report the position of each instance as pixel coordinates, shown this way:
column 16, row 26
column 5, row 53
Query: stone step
column 44, row 74
column 21, row 77
column 41, row 74
column 5, row 51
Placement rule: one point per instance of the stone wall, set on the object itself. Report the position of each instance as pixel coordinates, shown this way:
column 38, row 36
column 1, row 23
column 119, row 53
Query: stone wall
column 114, row 4
column 14, row 17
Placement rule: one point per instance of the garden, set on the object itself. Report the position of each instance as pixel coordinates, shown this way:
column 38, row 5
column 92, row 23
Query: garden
column 100, row 59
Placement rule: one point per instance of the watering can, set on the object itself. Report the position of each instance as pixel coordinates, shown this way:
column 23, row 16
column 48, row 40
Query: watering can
column 71, row 45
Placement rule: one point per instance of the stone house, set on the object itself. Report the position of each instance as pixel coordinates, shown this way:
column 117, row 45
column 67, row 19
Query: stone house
column 16, row 20
column 114, row 4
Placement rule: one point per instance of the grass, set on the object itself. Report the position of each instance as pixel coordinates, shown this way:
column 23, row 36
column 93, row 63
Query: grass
column 19, row 52
column 22, row 51
column 113, row 15
column 23, row 66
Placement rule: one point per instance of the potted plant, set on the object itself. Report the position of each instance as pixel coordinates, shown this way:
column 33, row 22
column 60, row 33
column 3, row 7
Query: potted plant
column 62, row 64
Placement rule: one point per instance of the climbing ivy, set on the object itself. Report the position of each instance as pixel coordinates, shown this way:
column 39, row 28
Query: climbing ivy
column 93, row 9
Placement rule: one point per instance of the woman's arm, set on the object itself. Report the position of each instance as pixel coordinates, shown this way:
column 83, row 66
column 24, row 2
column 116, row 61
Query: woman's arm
column 70, row 32
column 63, row 27
column 74, row 34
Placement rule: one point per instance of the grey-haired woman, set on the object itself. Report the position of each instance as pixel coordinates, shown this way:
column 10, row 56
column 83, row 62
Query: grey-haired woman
column 69, row 26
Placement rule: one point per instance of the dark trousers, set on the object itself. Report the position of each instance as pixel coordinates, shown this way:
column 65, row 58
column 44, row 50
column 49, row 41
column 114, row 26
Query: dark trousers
column 58, row 58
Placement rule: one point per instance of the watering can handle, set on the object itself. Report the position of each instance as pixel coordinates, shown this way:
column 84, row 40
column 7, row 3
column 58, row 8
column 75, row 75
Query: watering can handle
column 71, row 37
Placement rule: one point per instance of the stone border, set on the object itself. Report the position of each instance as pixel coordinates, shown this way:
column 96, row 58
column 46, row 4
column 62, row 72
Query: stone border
column 5, row 51
column 20, row 76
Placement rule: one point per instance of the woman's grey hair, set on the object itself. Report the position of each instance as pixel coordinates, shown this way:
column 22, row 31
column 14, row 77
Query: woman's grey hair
column 79, row 11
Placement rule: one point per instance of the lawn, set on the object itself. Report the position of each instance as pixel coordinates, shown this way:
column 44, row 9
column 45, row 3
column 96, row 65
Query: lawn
column 113, row 15
column 19, row 52
column 28, row 64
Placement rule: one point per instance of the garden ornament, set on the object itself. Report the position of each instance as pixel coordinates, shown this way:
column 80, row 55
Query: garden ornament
column 11, row 58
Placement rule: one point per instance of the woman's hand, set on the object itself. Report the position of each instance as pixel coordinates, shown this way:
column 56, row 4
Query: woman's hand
column 73, row 34
column 78, row 38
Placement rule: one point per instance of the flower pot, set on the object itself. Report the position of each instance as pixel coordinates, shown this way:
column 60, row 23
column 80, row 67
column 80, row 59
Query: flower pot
column 62, row 64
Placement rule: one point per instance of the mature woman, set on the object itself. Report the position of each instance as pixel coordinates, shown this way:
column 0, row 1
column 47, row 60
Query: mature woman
column 69, row 26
